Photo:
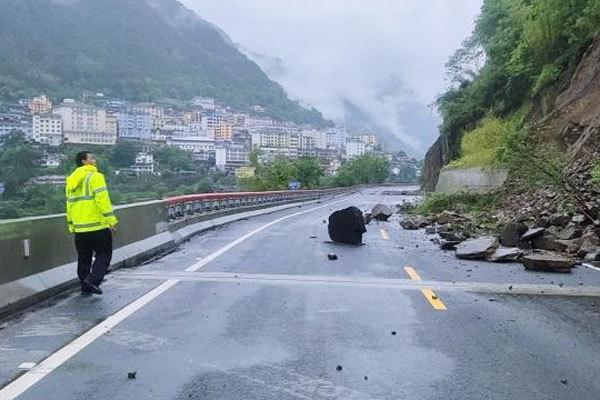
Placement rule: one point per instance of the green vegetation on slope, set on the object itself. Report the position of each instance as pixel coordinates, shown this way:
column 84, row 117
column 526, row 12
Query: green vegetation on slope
column 435, row 203
column 20, row 160
column 131, row 49
column 278, row 174
column 596, row 173
column 527, row 45
column 491, row 143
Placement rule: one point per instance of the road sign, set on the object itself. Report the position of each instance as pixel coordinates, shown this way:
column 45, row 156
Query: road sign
column 294, row 185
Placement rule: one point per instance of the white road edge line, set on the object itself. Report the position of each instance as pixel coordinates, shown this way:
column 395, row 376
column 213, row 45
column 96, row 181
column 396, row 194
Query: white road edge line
column 41, row 370
column 590, row 266
column 231, row 245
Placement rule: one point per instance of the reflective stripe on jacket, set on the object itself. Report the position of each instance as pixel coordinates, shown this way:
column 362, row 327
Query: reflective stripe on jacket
column 88, row 203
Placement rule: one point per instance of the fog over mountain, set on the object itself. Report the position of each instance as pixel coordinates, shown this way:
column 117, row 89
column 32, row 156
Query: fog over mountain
column 376, row 65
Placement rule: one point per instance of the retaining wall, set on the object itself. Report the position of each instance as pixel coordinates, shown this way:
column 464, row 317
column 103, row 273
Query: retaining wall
column 38, row 258
column 470, row 180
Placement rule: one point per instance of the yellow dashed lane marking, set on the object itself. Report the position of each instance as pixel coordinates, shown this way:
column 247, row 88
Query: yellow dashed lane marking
column 384, row 234
column 429, row 294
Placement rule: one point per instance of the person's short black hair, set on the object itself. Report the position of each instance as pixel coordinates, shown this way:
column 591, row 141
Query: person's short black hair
column 81, row 157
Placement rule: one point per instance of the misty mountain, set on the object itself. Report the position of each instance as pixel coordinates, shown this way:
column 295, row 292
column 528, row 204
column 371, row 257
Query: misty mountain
column 390, row 110
column 131, row 49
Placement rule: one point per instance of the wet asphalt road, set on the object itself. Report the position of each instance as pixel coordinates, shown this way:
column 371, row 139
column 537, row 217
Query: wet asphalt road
column 272, row 318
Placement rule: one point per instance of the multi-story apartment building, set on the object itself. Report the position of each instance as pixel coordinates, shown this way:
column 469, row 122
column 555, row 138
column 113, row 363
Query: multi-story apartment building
column 268, row 154
column 86, row 124
column 275, row 137
column 134, row 125
column 9, row 124
column 205, row 103
column 355, row 148
column 231, row 156
column 155, row 112
column 40, row 105
column 191, row 116
column 212, row 120
column 203, row 149
column 47, row 129
column 224, row 132
column 253, row 124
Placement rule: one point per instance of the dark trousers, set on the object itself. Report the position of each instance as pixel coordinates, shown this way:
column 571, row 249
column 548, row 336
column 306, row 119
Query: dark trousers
column 98, row 244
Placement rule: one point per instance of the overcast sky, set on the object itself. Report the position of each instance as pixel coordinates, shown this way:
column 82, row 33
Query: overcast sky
column 379, row 54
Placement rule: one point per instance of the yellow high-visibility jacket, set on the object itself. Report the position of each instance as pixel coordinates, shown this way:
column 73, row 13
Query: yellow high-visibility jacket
column 88, row 203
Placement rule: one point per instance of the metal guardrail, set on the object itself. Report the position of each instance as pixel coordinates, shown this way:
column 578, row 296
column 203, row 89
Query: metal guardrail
column 181, row 206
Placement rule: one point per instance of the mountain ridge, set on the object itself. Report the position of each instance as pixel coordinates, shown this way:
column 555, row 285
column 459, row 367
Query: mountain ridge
column 131, row 49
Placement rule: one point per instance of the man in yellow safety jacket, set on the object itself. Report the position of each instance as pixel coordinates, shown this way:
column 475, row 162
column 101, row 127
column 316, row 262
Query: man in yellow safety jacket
column 91, row 218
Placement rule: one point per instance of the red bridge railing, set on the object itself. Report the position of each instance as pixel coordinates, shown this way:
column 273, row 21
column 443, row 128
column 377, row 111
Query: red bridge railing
column 180, row 206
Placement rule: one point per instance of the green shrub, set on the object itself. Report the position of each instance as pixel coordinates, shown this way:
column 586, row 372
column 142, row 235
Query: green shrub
column 435, row 203
column 550, row 74
column 596, row 173
column 479, row 147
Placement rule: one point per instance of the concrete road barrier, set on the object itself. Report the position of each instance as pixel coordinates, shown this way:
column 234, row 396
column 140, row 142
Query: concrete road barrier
column 38, row 258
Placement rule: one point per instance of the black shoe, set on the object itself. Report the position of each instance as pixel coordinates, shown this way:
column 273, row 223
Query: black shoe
column 92, row 288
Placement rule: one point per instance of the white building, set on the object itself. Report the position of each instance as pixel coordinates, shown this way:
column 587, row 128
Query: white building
column 318, row 138
column 47, row 129
column 203, row 149
column 205, row 103
column 231, row 156
column 337, row 136
column 253, row 124
column 137, row 126
column 355, row 148
column 52, row 161
column 86, row 124
column 8, row 125
column 144, row 163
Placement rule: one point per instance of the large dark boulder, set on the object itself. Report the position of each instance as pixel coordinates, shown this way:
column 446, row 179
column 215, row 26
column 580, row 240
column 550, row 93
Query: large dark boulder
column 347, row 226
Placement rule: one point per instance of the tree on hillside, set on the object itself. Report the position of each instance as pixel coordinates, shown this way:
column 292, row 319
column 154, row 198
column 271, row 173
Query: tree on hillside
column 308, row 172
column 174, row 159
column 19, row 162
column 365, row 169
column 122, row 155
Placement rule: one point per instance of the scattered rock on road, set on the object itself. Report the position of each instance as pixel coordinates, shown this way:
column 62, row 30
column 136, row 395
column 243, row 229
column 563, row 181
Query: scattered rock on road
column 447, row 217
column 132, row 375
column 409, row 224
column 339, row 368
column 506, row 254
column 448, row 244
column 570, row 233
column 559, row 220
column 532, row 233
column 512, row 233
column 381, row 212
column 547, row 261
column 332, row 256
column 478, row 248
